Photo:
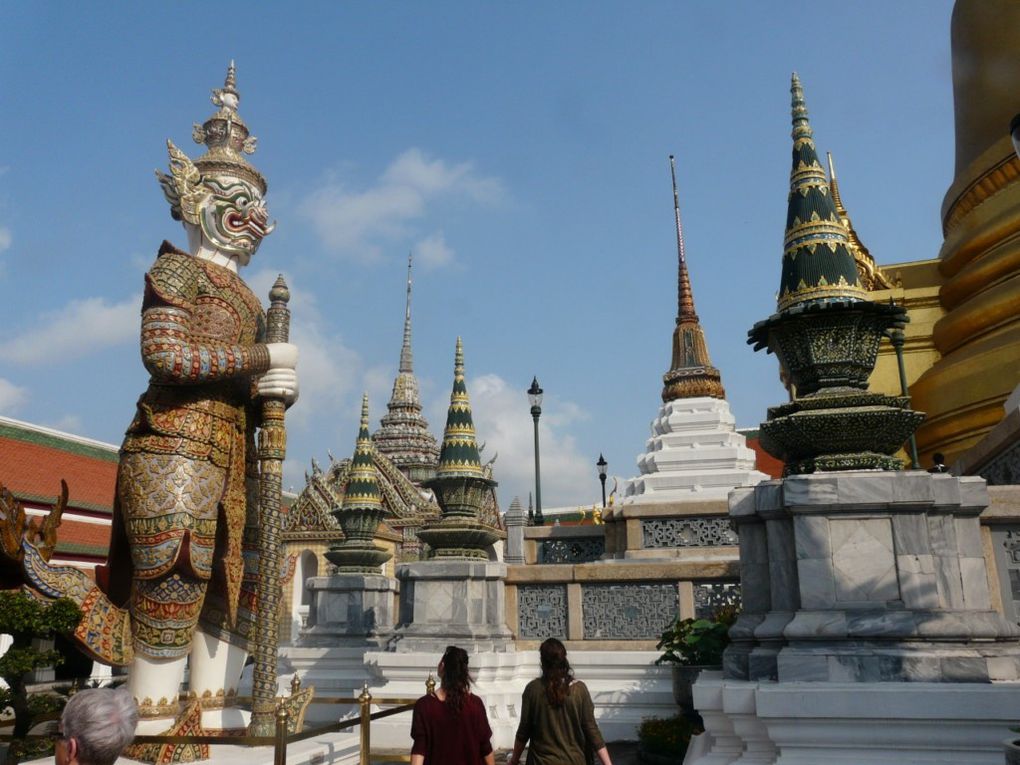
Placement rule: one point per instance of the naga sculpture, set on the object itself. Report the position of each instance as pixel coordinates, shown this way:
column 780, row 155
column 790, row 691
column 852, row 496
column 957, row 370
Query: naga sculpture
column 180, row 580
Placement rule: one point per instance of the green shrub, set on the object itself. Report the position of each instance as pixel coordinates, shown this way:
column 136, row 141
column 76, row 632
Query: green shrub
column 668, row 737
column 697, row 642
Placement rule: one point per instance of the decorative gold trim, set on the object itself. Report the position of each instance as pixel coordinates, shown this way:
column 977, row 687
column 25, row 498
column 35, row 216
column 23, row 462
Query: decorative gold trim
column 986, row 185
column 149, row 709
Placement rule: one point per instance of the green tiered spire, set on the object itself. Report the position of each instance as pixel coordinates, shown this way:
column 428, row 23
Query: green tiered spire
column 818, row 265
column 361, row 511
column 460, row 483
column 826, row 335
column 459, row 453
column 362, row 491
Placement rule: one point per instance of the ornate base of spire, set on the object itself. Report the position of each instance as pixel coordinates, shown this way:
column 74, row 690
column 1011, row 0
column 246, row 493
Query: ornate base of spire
column 692, row 383
column 459, row 533
column 840, row 429
column 358, row 557
column 460, row 538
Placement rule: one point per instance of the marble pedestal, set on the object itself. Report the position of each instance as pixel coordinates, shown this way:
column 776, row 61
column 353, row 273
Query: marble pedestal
column 769, row 723
column 351, row 609
column 867, row 577
column 452, row 602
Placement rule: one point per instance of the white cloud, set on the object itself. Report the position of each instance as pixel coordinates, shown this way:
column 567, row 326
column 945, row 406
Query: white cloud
column 5, row 238
column 360, row 223
column 12, row 397
column 433, row 251
column 74, row 331
column 503, row 422
column 69, row 423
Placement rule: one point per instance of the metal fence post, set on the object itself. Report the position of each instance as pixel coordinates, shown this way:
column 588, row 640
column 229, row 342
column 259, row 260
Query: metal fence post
column 365, row 700
column 280, row 746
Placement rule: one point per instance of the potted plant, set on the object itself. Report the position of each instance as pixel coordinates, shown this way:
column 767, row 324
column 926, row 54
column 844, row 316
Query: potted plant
column 1013, row 749
column 664, row 741
column 692, row 645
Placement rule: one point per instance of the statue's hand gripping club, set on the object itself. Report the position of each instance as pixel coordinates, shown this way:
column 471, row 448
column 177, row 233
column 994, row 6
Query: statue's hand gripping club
column 281, row 380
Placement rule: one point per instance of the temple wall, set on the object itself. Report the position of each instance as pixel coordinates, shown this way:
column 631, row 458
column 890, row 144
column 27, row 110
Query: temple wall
column 979, row 335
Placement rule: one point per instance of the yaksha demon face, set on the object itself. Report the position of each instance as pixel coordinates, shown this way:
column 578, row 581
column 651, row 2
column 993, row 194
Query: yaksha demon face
column 220, row 192
column 233, row 217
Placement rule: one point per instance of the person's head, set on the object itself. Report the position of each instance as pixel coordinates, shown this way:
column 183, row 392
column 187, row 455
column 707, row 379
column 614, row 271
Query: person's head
column 556, row 672
column 940, row 458
column 453, row 675
column 95, row 727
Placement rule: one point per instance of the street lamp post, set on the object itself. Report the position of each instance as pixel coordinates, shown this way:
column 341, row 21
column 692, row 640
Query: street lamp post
column 601, row 466
column 535, row 397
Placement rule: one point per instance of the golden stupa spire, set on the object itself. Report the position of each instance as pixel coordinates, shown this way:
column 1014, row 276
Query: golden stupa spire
column 691, row 373
column 872, row 276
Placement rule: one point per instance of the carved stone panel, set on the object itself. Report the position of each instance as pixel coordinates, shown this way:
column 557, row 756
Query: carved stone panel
column 542, row 611
column 687, row 532
column 709, row 597
column 1004, row 469
column 1006, row 543
column 627, row 611
column 582, row 550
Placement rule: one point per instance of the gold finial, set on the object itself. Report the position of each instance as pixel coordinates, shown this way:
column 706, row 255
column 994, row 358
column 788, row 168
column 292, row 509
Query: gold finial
column 365, row 696
column 430, row 685
column 871, row 275
column 295, row 685
column 685, row 295
column 279, row 292
column 834, row 186
column 364, row 411
column 230, row 83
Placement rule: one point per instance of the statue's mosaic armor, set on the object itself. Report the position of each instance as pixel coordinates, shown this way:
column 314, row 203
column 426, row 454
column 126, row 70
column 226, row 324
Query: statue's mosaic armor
column 185, row 487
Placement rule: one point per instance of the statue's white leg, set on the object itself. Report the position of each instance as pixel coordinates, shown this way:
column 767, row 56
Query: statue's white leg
column 216, row 667
column 156, row 684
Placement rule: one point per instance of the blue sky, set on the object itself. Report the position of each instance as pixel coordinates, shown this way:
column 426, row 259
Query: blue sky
column 518, row 149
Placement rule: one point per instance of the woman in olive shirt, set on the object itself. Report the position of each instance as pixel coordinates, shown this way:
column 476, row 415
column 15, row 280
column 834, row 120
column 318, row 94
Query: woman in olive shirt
column 557, row 715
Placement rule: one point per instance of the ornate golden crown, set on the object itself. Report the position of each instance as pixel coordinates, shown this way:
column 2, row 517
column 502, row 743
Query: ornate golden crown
column 227, row 139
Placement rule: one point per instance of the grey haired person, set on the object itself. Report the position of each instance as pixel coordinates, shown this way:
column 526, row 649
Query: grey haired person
column 96, row 726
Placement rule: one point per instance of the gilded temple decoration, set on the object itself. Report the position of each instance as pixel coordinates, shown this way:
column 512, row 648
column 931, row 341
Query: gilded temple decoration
column 817, row 261
column 871, row 274
column 691, row 373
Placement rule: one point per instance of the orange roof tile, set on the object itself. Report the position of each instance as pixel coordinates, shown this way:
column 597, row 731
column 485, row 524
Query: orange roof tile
column 764, row 461
column 32, row 462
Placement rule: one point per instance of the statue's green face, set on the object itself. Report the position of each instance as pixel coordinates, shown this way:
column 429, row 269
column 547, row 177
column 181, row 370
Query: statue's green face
column 234, row 218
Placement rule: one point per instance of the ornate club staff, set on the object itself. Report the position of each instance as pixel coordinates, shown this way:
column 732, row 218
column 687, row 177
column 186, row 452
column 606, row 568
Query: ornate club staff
column 272, row 450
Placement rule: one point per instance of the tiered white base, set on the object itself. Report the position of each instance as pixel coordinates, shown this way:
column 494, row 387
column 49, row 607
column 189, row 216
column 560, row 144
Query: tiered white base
column 767, row 723
column 625, row 685
column 694, row 452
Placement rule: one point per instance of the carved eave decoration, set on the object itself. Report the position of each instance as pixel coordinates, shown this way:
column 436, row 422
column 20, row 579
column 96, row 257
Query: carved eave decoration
column 324, row 490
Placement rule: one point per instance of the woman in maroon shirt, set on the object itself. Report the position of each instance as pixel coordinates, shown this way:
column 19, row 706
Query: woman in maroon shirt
column 450, row 727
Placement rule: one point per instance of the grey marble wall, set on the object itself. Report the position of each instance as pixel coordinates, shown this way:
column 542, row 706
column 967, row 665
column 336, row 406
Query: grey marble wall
column 350, row 608
column 872, row 576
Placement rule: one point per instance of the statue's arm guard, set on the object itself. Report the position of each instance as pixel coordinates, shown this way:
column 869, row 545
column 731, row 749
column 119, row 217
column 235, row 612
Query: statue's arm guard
column 169, row 351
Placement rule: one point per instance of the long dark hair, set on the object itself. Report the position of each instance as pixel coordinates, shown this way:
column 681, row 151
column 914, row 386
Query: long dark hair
column 455, row 680
column 556, row 672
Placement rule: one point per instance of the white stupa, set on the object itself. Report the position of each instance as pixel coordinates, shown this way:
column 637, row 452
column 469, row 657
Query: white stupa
column 694, row 452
